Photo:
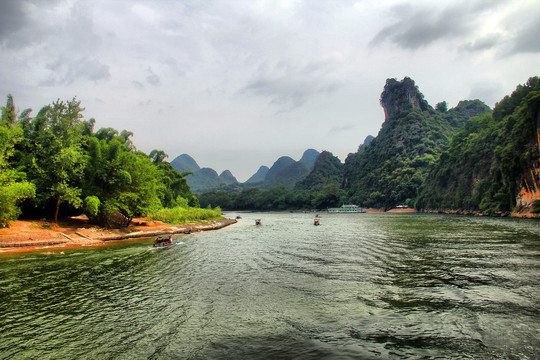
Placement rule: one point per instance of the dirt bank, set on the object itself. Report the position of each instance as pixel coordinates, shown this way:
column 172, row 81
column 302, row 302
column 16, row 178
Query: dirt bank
column 33, row 234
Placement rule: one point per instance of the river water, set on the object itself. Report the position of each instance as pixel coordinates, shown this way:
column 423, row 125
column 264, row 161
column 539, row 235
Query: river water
column 360, row 286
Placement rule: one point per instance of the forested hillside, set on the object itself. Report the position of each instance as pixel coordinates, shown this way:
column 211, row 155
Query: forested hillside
column 492, row 164
column 55, row 164
column 390, row 170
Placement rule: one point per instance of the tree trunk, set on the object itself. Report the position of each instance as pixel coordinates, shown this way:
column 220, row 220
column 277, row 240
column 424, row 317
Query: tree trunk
column 57, row 208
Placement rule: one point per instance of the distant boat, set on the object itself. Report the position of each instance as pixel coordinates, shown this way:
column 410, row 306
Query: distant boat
column 316, row 222
column 258, row 222
column 346, row 209
column 238, row 217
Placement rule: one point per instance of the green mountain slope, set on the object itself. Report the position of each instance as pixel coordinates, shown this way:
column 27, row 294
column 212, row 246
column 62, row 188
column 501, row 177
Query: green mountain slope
column 493, row 163
column 327, row 170
column 389, row 170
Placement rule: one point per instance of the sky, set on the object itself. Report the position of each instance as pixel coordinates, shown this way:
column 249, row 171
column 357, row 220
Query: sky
column 238, row 84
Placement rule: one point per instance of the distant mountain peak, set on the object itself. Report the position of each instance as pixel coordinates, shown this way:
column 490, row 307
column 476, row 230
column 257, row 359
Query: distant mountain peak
column 259, row 175
column 184, row 163
column 309, row 157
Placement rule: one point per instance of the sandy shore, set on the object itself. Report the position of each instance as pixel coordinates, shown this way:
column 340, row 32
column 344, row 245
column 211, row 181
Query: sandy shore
column 36, row 234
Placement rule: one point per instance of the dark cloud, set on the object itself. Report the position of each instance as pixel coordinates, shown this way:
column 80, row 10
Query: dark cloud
column 417, row 27
column 12, row 18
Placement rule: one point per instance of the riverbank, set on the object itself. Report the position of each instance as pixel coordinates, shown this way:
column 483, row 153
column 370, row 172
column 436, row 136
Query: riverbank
column 24, row 235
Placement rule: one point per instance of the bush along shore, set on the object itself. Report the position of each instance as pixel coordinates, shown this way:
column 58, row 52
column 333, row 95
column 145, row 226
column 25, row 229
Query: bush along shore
column 30, row 235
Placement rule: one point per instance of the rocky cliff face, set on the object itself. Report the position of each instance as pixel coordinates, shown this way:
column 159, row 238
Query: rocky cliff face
column 399, row 96
column 529, row 190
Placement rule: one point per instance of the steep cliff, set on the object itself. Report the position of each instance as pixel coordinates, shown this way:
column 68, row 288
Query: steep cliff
column 393, row 167
column 528, row 197
column 399, row 96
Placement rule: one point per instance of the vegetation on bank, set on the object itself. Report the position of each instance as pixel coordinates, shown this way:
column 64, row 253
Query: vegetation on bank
column 55, row 164
column 181, row 215
column 491, row 159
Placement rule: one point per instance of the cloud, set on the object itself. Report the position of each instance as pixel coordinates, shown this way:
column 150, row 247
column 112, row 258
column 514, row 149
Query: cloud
column 12, row 18
column 484, row 43
column 152, row 78
column 289, row 86
column 68, row 72
column 420, row 26
column 488, row 92
column 527, row 39
column 340, row 129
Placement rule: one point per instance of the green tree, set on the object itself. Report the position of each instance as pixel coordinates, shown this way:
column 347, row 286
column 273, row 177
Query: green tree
column 58, row 158
column 13, row 185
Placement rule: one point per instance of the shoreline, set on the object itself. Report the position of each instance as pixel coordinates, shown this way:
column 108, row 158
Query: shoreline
column 26, row 235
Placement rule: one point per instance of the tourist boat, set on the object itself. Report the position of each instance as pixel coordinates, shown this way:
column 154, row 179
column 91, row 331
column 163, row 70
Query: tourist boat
column 316, row 222
column 258, row 222
column 162, row 242
column 346, row 209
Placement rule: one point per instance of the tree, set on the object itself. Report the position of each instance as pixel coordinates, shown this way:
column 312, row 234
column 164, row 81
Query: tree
column 58, row 160
column 441, row 107
column 13, row 185
column 157, row 156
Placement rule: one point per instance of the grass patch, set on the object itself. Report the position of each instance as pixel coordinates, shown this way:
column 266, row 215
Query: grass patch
column 180, row 215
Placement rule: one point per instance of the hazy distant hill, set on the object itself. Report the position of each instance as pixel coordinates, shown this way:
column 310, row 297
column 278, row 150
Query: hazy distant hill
column 285, row 171
column 289, row 175
column 185, row 162
column 227, row 177
column 309, row 157
column 279, row 165
column 327, row 170
column 202, row 179
column 259, row 175
column 366, row 142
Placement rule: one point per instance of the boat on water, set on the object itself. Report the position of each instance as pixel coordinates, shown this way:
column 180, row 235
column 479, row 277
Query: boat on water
column 162, row 242
column 316, row 222
column 346, row 209
column 258, row 222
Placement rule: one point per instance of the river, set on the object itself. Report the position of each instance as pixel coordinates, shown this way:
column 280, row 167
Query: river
column 359, row 286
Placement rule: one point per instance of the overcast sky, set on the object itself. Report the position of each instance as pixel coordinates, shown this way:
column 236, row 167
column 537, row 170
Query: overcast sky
column 237, row 84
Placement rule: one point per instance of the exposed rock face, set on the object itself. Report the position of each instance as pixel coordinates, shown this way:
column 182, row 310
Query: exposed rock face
column 529, row 191
column 399, row 96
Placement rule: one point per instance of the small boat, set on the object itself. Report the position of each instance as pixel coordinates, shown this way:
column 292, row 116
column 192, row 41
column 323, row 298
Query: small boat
column 316, row 222
column 238, row 217
column 162, row 242
column 258, row 222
